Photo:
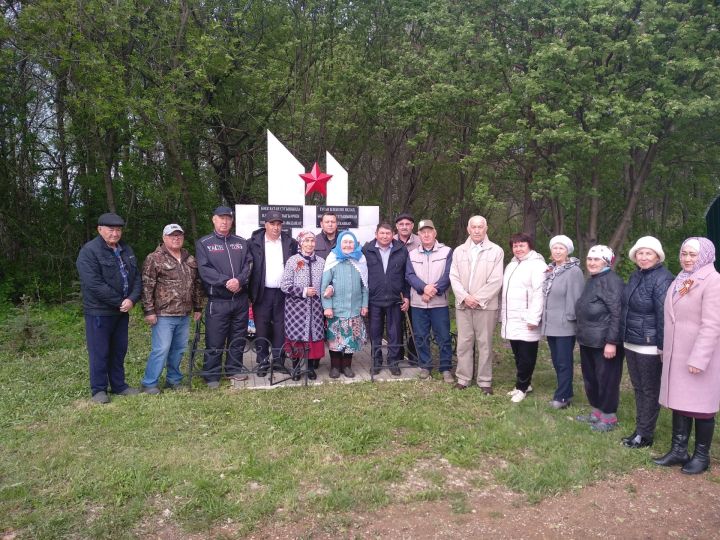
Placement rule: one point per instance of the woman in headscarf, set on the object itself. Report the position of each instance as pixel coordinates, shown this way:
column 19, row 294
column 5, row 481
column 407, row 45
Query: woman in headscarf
column 522, row 308
column 346, row 271
column 304, row 322
column 641, row 329
column 690, row 383
column 598, row 332
column 563, row 285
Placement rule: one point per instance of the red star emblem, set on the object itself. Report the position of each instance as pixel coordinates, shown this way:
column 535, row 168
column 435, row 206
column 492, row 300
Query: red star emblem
column 316, row 180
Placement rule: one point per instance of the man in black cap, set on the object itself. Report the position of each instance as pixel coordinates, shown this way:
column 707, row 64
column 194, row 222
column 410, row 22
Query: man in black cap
column 111, row 285
column 271, row 248
column 224, row 263
column 404, row 224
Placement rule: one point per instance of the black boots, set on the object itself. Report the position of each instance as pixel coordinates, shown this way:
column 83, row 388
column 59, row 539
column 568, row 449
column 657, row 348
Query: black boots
column 700, row 461
column 336, row 363
column 347, row 366
column 678, row 455
column 312, row 366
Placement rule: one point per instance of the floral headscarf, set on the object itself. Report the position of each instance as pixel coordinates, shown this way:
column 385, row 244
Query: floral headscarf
column 302, row 235
column 706, row 255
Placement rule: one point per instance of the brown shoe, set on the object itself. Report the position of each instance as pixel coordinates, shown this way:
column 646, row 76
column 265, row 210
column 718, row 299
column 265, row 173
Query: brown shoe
column 487, row 390
column 459, row 386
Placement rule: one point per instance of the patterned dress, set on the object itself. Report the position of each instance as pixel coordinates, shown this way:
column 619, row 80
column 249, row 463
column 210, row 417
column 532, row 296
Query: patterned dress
column 304, row 321
column 346, row 329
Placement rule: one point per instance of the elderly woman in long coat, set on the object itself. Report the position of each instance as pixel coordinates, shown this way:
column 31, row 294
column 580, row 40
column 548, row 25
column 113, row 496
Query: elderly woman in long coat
column 690, row 383
column 304, row 321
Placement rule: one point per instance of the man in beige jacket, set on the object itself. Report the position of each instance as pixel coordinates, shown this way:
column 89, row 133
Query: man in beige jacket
column 476, row 277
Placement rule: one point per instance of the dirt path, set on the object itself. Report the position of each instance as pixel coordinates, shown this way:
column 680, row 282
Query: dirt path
column 647, row 504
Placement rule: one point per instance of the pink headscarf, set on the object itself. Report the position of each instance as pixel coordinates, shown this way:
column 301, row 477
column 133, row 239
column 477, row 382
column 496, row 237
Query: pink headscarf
column 706, row 256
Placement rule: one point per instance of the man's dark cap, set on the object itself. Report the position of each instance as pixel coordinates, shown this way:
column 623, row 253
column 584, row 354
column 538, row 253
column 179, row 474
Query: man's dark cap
column 273, row 215
column 223, row 211
column 111, row 220
column 405, row 216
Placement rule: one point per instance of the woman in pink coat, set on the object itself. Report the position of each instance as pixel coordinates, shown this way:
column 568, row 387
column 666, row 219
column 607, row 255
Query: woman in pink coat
column 690, row 384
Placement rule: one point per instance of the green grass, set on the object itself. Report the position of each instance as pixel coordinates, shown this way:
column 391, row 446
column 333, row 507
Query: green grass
column 199, row 459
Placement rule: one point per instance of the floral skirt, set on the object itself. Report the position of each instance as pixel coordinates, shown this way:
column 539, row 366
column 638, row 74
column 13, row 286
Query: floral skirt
column 346, row 334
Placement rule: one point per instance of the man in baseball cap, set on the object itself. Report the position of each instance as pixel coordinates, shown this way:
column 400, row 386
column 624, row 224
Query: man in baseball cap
column 224, row 263
column 171, row 292
column 428, row 272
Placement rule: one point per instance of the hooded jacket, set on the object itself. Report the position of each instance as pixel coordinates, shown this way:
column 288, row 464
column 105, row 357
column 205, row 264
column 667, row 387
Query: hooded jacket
column 522, row 297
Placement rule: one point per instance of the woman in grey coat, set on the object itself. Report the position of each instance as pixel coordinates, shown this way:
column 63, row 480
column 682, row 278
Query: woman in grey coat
column 563, row 285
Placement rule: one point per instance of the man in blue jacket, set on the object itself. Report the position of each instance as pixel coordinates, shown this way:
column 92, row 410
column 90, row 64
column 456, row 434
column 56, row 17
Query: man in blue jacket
column 389, row 295
column 224, row 264
column 111, row 285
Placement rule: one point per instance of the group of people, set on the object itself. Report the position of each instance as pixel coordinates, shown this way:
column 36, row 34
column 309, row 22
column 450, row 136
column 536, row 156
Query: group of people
column 666, row 327
column 317, row 289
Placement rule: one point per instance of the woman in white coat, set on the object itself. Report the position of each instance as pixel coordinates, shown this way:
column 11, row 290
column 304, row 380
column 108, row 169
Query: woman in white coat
column 522, row 309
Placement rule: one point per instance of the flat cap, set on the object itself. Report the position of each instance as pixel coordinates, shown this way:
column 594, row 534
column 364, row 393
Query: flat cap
column 273, row 215
column 110, row 220
column 223, row 211
column 405, row 215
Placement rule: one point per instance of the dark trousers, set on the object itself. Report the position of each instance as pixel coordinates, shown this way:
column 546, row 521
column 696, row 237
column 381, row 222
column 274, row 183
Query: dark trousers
column 226, row 324
column 269, row 314
column 525, row 353
column 561, row 352
column 382, row 318
column 601, row 378
column 107, row 344
column 645, row 372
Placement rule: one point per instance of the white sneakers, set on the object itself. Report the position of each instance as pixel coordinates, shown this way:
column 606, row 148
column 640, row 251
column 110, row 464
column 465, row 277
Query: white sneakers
column 515, row 391
column 516, row 396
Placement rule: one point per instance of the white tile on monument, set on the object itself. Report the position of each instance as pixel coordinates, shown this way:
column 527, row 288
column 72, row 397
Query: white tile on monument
column 337, row 187
column 284, row 183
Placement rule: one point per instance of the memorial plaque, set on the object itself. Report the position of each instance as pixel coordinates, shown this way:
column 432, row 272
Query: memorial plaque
column 292, row 215
column 347, row 216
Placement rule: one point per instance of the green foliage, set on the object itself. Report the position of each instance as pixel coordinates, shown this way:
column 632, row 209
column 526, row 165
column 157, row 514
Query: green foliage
column 596, row 119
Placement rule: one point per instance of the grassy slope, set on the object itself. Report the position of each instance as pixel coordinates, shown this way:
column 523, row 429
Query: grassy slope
column 68, row 468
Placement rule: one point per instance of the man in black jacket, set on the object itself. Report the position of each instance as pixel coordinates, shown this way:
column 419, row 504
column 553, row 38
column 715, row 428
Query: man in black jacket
column 111, row 285
column 327, row 237
column 271, row 248
column 389, row 295
column 224, row 264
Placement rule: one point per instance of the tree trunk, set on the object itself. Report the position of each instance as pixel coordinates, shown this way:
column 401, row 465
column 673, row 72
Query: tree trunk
column 638, row 172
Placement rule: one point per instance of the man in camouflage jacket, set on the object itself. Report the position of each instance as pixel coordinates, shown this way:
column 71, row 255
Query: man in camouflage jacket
column 171, row 291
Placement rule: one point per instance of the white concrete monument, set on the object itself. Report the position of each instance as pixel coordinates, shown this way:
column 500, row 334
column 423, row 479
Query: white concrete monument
column 288, row 185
